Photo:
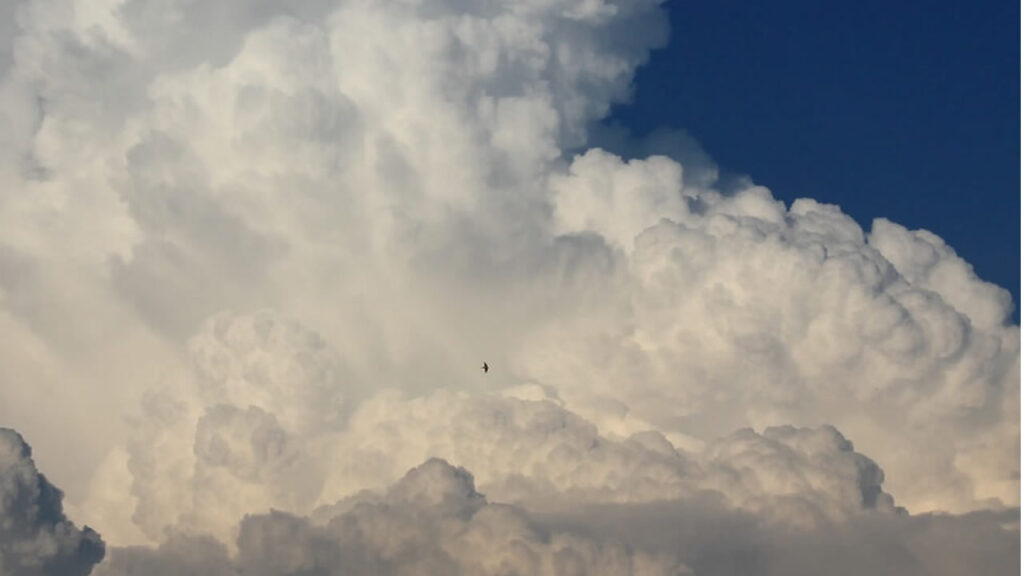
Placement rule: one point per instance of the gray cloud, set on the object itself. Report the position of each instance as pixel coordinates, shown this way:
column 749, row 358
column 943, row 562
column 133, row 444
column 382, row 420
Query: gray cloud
column 434, row 521
column 717, row 541
column 36, row 539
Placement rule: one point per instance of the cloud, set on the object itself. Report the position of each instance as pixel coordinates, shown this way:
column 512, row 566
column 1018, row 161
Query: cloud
column 433, row 521
column 198, row 467
column 541, row 455
column 239, row 433
column 35, row 536
column 251, row 256
column 739, row 310
column 176, row 555
column 267, row 362
column 720, row 542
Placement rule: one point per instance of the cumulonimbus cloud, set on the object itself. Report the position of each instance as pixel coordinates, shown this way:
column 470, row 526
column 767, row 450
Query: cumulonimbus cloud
column 251, row 256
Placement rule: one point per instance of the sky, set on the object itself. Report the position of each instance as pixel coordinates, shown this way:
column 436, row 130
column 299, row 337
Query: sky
column 906, row 110
column 253, row 254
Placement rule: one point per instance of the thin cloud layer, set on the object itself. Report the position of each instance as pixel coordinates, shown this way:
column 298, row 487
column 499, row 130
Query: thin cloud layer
column 251, row 256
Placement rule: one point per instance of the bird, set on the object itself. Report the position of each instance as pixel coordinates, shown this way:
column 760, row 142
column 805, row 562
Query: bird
column 485, row 368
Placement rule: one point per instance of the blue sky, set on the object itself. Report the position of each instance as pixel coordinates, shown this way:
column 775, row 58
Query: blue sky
column 905, row 110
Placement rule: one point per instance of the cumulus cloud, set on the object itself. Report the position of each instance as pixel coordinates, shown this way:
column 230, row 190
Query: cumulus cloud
column 36, row 539
column 433, row 521
column 741, row 311
column 537, row 453
column 251, row 256
column 198, row 467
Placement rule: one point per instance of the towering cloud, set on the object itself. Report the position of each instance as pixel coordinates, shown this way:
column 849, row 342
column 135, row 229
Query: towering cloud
column 251, row 256
column 740, row 311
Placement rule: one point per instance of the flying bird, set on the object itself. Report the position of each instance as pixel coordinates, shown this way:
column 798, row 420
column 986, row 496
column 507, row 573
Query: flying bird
column 485, row 368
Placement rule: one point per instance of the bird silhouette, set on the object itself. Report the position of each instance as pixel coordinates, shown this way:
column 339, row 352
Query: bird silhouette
column 485, row 368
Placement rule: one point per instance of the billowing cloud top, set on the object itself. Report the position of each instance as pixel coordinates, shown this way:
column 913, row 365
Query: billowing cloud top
column 251, row 256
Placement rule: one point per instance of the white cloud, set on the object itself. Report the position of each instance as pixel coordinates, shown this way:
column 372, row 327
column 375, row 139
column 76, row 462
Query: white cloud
column 739, row 311
column 717, row 541
column 539, row 454
column 251, row 256
column 431, row 522
column 199, row 467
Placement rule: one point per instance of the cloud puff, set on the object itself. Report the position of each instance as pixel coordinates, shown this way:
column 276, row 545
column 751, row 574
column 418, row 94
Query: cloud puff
column 722, row 542
column 230, row 458
column 36, row 539
column 540, row 454
column 433, row 521
column 238, row 433
column 270, row 363
column 739, row 310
